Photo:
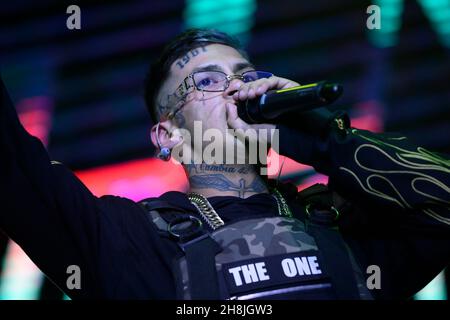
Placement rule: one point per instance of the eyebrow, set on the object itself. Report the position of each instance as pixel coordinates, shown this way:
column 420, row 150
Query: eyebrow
column 215, row 67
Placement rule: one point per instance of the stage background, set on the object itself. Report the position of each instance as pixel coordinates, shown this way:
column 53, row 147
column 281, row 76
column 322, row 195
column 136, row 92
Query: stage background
column 80, row 91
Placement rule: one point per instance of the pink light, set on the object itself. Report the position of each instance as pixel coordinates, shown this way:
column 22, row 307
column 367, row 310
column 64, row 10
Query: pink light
column 368, row 115
column 35, row 114
column 136, row 180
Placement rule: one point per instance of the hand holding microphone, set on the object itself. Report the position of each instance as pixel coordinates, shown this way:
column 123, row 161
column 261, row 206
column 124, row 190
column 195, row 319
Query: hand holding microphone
column 299, row 99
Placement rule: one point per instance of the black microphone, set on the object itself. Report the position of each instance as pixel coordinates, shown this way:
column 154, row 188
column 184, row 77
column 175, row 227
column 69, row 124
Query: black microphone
column 274, row 103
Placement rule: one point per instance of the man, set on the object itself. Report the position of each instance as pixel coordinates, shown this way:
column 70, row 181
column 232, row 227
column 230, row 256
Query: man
column 235, row 235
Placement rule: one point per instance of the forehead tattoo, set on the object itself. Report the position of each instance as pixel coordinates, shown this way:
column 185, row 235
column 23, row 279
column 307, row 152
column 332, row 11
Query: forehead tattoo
column 190, row 54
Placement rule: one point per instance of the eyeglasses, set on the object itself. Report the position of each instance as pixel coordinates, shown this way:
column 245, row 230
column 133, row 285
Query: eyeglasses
column 216, row 81
column 211, row 81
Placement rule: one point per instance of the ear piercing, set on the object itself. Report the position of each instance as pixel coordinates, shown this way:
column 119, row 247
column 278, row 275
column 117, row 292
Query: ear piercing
column 164, row 152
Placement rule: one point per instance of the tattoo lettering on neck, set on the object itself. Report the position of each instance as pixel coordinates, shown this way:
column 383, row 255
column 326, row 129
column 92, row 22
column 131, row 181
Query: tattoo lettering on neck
column 200, row 168
column 187, row 57
column 222, row 183
column 244, row 170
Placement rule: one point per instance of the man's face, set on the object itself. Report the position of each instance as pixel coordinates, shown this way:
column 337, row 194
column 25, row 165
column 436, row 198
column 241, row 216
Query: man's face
column 207, row 107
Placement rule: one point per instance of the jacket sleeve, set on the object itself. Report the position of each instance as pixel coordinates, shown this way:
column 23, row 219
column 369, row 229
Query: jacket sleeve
column 45, row 208
column 387, row 171
column 394, row 195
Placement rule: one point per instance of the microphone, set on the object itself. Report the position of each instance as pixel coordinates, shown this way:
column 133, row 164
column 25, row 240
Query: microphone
column 274, row 103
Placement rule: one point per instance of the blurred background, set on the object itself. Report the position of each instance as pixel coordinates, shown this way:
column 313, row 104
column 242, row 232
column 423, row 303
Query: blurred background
column 80, row 91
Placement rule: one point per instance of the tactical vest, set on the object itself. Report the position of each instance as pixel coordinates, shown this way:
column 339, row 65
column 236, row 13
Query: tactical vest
column 261, row 258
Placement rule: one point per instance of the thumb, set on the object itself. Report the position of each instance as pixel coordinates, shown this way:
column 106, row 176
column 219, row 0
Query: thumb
column 233, row 118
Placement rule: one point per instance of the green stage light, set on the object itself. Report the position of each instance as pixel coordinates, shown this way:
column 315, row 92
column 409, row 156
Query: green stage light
column 21, row 279
column 434, row 3
column 235, row 17
column 390, row 16
column 438, row 12
column 435, row 290
column 219, row 17
column 440, row 15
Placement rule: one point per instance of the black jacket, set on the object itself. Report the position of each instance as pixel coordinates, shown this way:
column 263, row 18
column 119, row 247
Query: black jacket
column 396, row 196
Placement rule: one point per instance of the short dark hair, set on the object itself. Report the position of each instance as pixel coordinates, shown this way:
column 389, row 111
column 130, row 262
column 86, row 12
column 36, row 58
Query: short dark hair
column 180, row 45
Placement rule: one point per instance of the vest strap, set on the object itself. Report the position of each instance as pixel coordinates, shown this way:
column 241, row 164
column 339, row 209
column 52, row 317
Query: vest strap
column 201, row 265
column 199, row 248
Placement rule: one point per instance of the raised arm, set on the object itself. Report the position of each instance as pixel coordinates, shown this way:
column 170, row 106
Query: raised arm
column 45, row 208
column 384, row 170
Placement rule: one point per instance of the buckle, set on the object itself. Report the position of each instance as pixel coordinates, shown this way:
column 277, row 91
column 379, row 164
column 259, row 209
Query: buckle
column 324, row 217
column 185, row 228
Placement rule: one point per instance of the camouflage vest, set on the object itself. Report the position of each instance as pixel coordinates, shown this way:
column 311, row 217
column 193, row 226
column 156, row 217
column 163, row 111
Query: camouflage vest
column 266, row 258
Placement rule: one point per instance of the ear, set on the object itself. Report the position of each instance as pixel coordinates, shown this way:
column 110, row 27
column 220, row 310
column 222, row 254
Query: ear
column 162, row 135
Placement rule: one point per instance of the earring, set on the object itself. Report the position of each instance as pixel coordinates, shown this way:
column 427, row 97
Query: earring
column 164, row 152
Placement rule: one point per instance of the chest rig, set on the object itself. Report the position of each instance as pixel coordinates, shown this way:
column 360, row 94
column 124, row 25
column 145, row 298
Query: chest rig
column 277, row 257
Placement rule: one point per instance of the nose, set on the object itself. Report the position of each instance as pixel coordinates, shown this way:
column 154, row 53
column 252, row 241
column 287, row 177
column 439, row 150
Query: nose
column 233, row 87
